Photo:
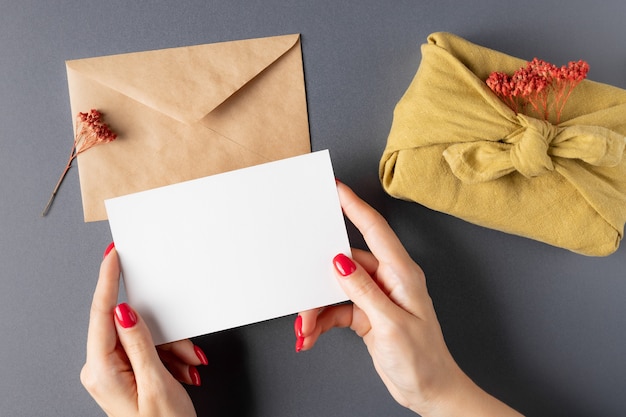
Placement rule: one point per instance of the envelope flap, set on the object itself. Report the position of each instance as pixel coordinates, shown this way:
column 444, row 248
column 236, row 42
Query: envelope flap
column 187, row 82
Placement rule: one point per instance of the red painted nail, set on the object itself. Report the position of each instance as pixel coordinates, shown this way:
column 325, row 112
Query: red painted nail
column 297, row 326
column 108, row 249
column 195, row 376
column 200, row 354
column 344, row 265
column 299, row 343
column 125, row 316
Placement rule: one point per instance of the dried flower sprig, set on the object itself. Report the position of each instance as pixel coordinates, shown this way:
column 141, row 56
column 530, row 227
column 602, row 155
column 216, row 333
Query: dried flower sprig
column 90, row 131
column 539, row 84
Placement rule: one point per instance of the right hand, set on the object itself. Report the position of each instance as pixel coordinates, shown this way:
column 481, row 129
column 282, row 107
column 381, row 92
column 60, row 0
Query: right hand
column 394, row 315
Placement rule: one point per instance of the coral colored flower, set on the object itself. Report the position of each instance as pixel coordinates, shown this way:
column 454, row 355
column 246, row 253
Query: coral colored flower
column 539, row 87
column 90, row 131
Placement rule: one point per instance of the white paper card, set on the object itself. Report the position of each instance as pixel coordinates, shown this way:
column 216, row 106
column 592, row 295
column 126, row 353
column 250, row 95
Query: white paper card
column 231, row 249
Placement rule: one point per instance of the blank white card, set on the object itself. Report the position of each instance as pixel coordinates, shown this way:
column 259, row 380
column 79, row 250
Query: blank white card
column 231, row 249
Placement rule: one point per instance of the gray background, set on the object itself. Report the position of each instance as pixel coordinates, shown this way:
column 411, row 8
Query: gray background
column 537, row 326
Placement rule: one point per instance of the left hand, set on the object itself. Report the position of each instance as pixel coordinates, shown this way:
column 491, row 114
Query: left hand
column 124, row 372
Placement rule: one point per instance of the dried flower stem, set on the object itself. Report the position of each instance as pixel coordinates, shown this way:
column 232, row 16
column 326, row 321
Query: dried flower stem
column 90, row 131
column 56, row 188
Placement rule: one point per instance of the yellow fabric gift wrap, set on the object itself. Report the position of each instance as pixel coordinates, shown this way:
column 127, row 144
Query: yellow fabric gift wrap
column 455, row 147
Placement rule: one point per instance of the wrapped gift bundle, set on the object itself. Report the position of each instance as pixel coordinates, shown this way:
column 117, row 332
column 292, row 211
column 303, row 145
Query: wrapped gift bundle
column 551, row 169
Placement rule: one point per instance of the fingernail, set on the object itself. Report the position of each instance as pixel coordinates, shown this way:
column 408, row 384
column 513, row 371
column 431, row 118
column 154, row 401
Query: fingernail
column 337, row 181
column 125, row 316
column 195, row 376
column 200, row 354
column 297, row 326
column 108, row 249
column 299, row 344
column 344, row 265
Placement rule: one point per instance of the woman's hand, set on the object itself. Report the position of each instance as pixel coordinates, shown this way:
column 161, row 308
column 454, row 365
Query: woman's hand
column 124, row 372
column 394, row 315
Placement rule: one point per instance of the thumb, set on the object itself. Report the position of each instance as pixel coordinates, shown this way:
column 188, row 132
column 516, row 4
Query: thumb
column 361, row 288
column 136, row 340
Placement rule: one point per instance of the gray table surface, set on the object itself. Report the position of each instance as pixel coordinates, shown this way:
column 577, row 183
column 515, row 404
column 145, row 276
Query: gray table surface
column 539, row 327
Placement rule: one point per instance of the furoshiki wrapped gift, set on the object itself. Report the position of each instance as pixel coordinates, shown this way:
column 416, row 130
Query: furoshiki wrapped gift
column 457, row 147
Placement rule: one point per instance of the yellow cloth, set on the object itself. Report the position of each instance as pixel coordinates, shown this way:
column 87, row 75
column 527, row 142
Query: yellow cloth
column 455, row 147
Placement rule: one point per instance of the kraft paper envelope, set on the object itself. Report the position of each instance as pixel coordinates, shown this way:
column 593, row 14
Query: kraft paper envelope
column 185, row 113
column 231, row 249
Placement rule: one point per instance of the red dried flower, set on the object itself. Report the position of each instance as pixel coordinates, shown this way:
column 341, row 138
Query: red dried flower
column 90, row 131
column 535, row 86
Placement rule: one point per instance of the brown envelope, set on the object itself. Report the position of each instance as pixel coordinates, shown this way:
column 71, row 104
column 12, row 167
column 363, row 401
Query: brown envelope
column 185, row 113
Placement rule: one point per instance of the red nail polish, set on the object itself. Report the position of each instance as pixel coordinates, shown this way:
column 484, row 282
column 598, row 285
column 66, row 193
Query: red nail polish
column 297, row 326
column 125, row 316
column 200, row 354
column 344, row 265
column 108, row 249
column 195, row 376
column 299, row 343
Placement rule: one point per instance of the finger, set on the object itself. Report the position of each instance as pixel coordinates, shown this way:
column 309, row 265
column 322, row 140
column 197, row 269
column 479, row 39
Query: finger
column 362, row 289
column 137, row 343
column 378, row 235
column 186, row 351
column 180, row 370
column 308, row 318
column 405, row 286
column 329, row 318
column 181, row 359
column 397, row 274
column 303, row 325
column 101, row 336
column 306, row 323
column 366, row 259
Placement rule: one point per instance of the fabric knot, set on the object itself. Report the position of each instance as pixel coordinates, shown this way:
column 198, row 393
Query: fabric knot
column 529, row 155
column 533, row 149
